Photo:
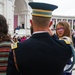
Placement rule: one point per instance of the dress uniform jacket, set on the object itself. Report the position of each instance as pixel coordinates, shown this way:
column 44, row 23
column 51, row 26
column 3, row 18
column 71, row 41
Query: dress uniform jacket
column 38, row 55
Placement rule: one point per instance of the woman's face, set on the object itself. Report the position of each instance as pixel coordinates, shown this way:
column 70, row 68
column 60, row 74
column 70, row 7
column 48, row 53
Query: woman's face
column 60, row 30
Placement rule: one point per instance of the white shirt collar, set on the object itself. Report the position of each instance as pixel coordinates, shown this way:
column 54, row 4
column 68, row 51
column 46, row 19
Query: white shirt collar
column 39, row 32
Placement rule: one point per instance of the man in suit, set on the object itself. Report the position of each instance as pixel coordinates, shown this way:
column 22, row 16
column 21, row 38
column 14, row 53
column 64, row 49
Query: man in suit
column 42, row 53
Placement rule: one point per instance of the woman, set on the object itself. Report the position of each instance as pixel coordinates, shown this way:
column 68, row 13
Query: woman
column 63, row 32
column 5, row 44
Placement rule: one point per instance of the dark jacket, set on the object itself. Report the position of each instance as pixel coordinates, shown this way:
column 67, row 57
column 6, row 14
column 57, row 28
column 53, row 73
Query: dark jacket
column 38, row 55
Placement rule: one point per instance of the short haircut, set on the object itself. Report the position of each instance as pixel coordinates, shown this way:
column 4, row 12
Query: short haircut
column 41, row 21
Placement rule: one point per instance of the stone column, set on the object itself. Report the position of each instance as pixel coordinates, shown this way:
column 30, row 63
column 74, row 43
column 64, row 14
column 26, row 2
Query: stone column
column 9, row 11
column 27, row 23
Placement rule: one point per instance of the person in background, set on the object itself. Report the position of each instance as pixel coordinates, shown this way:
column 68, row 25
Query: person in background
column 15, row 40
column 19, row 38
column 23, row 38
column 73, row 37
column 5, row 45
column 40, row 54
column 63, row 32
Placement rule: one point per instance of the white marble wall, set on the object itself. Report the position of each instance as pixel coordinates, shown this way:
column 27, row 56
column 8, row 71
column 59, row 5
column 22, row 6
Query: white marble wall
column 7, row 8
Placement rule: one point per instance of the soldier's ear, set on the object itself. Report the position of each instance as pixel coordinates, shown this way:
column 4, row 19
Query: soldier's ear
column 31, row 23
column 50, row 23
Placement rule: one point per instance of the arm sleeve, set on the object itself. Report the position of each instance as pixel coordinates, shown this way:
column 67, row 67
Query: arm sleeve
column 55, row 36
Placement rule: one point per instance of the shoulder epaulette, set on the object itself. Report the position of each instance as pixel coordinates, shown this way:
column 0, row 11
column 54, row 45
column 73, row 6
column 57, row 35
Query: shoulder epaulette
column 66, row 39
column 67, row 42
column 13, row 45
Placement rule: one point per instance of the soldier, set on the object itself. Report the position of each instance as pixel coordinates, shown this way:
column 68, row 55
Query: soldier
column 41, row 53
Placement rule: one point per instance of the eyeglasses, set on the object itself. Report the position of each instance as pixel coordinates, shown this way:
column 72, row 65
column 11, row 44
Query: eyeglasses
column 59, row 29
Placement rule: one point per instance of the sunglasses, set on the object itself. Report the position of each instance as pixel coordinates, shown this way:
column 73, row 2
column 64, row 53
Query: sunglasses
column 59, row 29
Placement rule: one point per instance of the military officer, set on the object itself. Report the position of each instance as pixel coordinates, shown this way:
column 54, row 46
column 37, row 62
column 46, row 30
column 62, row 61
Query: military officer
column 41, row 53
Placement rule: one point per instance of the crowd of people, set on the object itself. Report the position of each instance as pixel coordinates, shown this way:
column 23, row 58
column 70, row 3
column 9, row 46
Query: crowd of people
column 19, row 38
column 44, row 52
